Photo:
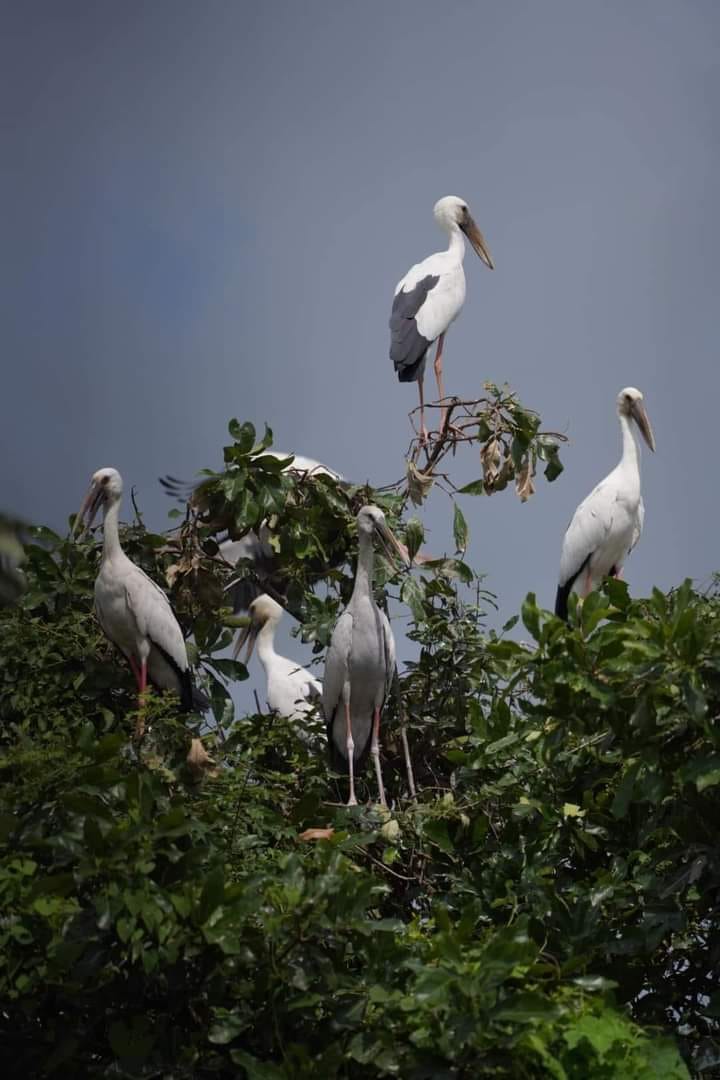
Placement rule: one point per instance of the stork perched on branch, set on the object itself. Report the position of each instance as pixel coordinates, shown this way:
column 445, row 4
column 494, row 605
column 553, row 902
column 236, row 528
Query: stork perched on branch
column 430, row 297
column 607, row 524
column 134, row 612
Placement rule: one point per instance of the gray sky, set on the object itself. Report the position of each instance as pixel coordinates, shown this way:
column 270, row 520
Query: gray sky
column 206, row 208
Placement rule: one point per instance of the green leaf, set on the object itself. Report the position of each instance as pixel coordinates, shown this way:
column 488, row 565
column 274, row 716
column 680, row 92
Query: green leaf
column 526, row 1007
column 412, row 595
column 530, row 614
column 704, row 772
column 231, row 669
column 212, row 894
column 476, row 487
column 460, row 530
column 624, row 793
column 255, row 1069
column 553, row 469
column 437, row 831
column 243, row 434
column 414, row 536
column 227, row 1027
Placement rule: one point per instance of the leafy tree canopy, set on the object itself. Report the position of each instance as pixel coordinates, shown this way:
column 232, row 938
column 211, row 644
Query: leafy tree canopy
column 546, row 905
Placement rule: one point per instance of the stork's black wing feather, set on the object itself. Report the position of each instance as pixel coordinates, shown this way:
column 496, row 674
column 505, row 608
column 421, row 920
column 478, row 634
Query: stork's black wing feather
column 191, row 699
column 407, row 345
column 563, row 591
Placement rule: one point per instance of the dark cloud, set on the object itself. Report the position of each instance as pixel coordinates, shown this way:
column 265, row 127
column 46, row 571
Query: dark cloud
column 207, row 207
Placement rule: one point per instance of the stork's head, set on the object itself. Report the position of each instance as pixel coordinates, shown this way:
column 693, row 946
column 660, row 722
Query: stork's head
column 106, row 488
column 630, row 403
column 371, row 522
column 263, row 610
column 452, row 211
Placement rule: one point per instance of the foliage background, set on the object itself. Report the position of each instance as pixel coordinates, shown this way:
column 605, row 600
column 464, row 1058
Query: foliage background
column 545, row 907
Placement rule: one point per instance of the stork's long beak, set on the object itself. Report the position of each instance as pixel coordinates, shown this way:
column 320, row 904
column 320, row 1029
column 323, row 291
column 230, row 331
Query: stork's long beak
column 393, row 547
column 248, row 634
column 477, row 240
column 87, row 512
column 643, row 422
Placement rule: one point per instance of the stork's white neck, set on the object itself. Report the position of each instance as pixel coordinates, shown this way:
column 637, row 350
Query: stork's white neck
column 456, row 247
column 364, row 573
column 631, row 451
column 266, row 643
column 111, row 534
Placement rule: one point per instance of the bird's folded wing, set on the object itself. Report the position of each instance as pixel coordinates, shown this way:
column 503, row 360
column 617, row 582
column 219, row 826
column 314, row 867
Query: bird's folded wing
column 389, row 646
column 155, row 617
column 639, row 522
column 408, row 343
column 337, row 662
column 588, row 530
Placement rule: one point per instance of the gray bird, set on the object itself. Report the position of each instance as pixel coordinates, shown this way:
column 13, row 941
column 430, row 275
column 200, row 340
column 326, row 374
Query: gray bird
column 360, row 662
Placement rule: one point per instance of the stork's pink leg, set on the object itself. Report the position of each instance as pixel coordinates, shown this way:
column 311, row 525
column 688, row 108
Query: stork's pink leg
column 439, row 376
column 375, row 751
column 350, row 745
column 423, row 430
column 141, row 675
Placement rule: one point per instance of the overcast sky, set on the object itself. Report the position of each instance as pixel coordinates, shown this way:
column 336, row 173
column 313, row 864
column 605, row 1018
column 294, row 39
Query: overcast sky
column 206, row 208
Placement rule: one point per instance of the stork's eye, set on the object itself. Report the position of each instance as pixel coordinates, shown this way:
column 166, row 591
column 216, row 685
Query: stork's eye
column 106, row 480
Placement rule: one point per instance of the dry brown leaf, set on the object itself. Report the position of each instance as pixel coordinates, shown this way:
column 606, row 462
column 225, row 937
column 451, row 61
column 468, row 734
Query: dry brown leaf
column 419, row 484
column 490, row 458
column 199, row 761
column 524, row 483
column 316, row 834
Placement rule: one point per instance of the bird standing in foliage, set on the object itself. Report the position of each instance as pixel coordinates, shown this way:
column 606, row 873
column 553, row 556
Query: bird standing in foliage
column 607, row 524
column 430, row 297
column 134, row 612
column 360, row 662
column 291, row 690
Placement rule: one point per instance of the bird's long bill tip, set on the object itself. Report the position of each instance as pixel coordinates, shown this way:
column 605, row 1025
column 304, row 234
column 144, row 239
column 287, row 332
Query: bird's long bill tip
column 477, row 240
column 85, row 515
column 394, row 548
column 247, row 635
column 643, row 422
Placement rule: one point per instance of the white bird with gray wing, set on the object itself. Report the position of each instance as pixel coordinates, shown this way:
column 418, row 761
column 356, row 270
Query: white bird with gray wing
column 292, row 691
column 360, row 662
column 430, row 297
column 608, row 523
column 134, row 612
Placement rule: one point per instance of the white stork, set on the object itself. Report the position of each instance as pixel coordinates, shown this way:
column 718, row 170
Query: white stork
column 360, row 662
column 133, row 611
column 430, row 297
column 291, row 690
column 607, row 524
